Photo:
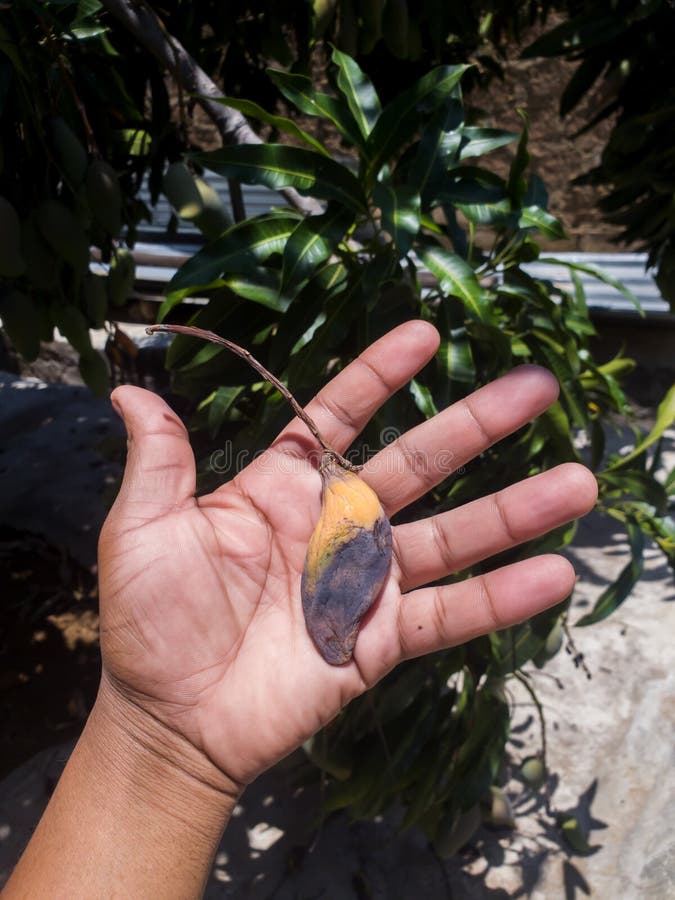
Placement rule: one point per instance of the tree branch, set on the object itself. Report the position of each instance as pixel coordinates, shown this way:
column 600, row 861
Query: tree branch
column 149, row 30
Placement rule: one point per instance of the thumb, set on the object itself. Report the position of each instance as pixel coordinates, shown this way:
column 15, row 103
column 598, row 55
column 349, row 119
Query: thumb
column 160, row 470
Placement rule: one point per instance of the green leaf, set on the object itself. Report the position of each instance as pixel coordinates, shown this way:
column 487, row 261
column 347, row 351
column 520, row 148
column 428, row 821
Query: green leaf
column 516, row 184
column 254, row 111
column 458, row 279
column 305, row 313
column 640, row 485
column 263, row 287
column 358, row 91
column 238, row 252
column 665, row 416
column 312, row 242
column 552, row 354
column 581, row 82
column 581, row 32
column 400, row 118
column 438, row 146
column 400, row 206
column 309, row 363
column 454, row 357
column 598, row 273
column 479, row 141
column 298, row 89
column 277, row 166
column 423, row 399
column 223, row 400
column 479, row 194
column 615, row 594
column 548, row 225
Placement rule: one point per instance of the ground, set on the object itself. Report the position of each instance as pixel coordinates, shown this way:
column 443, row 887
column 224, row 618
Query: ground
column 65, row 449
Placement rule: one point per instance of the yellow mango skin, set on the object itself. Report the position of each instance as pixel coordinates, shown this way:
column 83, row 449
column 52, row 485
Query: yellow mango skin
column 347, row 561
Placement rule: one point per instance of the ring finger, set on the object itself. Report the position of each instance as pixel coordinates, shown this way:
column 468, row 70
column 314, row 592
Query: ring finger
column 439, row 545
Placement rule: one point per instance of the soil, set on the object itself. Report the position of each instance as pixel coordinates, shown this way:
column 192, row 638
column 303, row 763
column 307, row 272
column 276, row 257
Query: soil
column 49, row 657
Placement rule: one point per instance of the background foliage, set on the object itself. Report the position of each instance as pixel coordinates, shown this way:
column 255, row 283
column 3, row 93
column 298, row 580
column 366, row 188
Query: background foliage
column 87, row 114
column 317, row 291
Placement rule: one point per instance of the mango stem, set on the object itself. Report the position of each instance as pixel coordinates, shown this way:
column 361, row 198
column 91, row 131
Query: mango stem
column 203, row 334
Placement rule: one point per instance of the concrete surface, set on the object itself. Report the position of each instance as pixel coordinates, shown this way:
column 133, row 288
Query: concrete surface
column 611, row 749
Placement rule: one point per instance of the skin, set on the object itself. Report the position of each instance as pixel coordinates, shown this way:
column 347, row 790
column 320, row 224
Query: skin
column 209, row 676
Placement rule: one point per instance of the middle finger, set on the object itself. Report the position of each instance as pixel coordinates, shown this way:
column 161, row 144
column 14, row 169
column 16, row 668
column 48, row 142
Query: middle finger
column 420, row 459
column 446, row 543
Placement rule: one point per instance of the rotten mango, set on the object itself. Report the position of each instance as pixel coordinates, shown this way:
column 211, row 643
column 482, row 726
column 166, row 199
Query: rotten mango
column 347, row 562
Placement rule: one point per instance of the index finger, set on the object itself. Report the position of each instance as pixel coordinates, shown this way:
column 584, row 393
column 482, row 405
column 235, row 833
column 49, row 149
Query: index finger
column 342, row 409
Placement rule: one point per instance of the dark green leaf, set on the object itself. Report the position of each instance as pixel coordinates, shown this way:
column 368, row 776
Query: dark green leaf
column 457, row 278
column 223, row 400
column 516, row 184
column 400, row 118
column 438, row 146
column 300, row 91
column 305, row 313
column 615, row 594
column 312, row 242
column 665, row 416
column 479, row 141
column 598, row 273
column 262, row 286
column 237, row 252
column 580, row 33
column 278, row 166
column 254, row 111
column 309, row 363
column 400, row 207
column 423, row 399
column 534, row 217
column 581, row 82
column 358, row 91
column 634, row 483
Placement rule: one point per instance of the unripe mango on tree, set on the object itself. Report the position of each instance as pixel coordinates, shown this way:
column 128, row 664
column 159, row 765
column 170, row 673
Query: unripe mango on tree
column 347, row 562
column 121, row 277
column 63, row 233
column 105, row 197
column 41, row 262
column 18, row 314
column 70, row 153
column 195, row 200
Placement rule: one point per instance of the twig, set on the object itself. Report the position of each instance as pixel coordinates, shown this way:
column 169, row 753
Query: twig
column 192, row 331
column 151, row 33
column 540, row 710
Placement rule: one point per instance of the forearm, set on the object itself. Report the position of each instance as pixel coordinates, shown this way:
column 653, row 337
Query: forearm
column 137, row 813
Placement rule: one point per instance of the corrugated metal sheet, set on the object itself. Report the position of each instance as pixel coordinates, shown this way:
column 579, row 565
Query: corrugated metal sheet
column 158, row 257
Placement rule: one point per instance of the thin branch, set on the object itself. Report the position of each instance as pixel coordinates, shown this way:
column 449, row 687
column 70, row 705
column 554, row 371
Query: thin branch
column 203, row 334
column 540, row 711
column 150, row 32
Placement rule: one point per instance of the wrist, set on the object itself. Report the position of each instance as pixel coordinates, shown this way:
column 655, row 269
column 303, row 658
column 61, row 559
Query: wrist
column 155, row 766
column 137, row 812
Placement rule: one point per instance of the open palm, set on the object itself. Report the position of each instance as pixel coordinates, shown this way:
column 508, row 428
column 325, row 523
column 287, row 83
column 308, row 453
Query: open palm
column 201, row 620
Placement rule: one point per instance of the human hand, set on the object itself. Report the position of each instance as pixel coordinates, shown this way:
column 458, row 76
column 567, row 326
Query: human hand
column 201, row 622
